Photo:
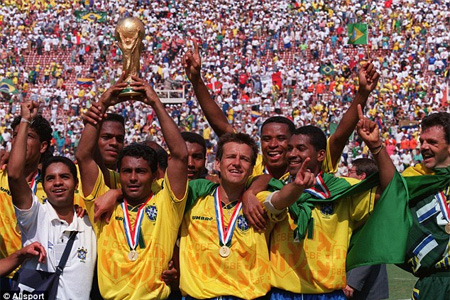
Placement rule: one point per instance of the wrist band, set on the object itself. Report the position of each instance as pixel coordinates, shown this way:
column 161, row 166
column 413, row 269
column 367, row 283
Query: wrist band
column 23, row 120
column 377, row 149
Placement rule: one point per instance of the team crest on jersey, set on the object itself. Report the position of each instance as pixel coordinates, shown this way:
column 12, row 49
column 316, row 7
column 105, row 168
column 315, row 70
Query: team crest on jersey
column 242, row 223
column 81, row 254
column 152, row 212
column 326, row 209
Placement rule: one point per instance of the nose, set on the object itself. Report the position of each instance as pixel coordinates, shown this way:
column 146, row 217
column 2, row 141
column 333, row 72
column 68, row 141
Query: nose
column 114, row 142
column 237, row 160
column 424, row 146
column 133, row 176
column 190, row 162
column 273, row 143
column 292, row 153
column 57, row 181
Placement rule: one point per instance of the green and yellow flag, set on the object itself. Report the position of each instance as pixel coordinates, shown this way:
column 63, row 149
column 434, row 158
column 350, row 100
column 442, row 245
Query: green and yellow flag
column 7, row 86
column 93, row 16
column 357, row 34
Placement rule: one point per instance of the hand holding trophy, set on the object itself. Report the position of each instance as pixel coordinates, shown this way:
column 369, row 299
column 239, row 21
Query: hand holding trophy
column 129, row 34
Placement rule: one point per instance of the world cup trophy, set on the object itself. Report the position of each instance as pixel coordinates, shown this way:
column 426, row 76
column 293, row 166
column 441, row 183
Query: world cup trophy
column 129, row 34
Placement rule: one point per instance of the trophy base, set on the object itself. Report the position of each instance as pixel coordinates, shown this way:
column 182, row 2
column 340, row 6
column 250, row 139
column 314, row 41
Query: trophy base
column 130, row 93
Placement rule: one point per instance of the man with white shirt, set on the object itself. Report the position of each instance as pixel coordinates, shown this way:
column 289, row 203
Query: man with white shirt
column 55, row 218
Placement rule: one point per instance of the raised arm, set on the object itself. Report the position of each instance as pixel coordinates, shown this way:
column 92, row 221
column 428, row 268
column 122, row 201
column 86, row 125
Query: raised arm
column 18, row 185
column 290, row 193
column 368, row 131
column 85, row 154
column 368, row 79
column 192, row 64
column 177, row 164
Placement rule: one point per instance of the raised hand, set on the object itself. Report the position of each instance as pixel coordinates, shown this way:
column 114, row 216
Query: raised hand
column 192, row 63
column 94, row 114
column 111, row 96
column 29, row 110
column 140, row 84
column 305, row 178
column 368, row 130
column 368, row 78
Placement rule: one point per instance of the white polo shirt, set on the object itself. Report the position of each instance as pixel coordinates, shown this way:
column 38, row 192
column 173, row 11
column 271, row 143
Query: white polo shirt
column 41, row 223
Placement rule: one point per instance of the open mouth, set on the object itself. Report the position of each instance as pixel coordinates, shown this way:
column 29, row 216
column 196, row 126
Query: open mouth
column 59, row 192
column 274, row 154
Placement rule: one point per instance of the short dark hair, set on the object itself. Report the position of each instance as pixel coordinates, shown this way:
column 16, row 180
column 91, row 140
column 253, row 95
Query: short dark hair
column 194, row 138
column 316, row 136
column 115, row 118
column 59, row 159
column 161, row 154
column 280, row 120
column 140, row 151
column 240, row 138
column 441, row 119
column 40, row 125
column 365, row 165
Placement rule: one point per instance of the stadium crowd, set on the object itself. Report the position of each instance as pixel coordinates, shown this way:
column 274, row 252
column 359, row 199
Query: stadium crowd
column 260, row 58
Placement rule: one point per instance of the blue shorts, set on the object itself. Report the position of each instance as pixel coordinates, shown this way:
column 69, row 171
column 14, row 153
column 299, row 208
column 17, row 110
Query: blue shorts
column 277, row 294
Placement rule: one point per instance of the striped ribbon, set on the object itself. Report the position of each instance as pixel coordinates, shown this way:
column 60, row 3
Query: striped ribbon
column 320, row 190
column 132, row 233
column 442, row 200
column 34, row 181
column 225, row 235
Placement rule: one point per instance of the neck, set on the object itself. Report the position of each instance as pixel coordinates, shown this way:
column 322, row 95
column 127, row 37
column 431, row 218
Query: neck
column 135, row 202
column 277, row 173
column 30, row 171
column 230, row 193
column 111, row 166
column 66, row 214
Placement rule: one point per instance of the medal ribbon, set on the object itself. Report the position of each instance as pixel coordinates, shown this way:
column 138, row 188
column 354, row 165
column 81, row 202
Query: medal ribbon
column 225, row 235
column 33, row 183
column 320, row 190
column 132, row 234
column 442, row 200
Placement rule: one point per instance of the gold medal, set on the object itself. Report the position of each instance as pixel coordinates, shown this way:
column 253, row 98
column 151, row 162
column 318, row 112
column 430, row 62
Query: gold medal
column 447, row 228
column 132, row 255
column 224, row 251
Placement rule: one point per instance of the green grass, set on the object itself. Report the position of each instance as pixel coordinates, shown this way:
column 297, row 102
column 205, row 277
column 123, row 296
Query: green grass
column 401, row 283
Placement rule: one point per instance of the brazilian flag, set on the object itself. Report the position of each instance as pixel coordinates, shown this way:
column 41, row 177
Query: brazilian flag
column 327, row 70
column 93, row 16
column 7, row 86
column 357, row 34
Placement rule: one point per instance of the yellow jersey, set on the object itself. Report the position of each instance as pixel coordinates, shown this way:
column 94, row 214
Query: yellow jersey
column 204, row 273
column 118, row 276
column 317, row 265
column 10, row 240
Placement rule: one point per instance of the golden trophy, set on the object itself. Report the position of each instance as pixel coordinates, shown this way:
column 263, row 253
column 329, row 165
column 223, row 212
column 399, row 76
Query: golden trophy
column 129, row 34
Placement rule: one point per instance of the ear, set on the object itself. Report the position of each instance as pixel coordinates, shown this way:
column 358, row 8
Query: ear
column 321, row 155
column 44, row 146
column 363, row 176
column 217, row 165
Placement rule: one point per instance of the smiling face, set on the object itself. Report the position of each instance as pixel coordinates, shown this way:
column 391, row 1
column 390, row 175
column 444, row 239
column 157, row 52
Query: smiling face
column 110, row 141
column 274, row 141
column 59, row 185
column 136, row 178
column 235, row 165
column 298, row 149
column 434, row 148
